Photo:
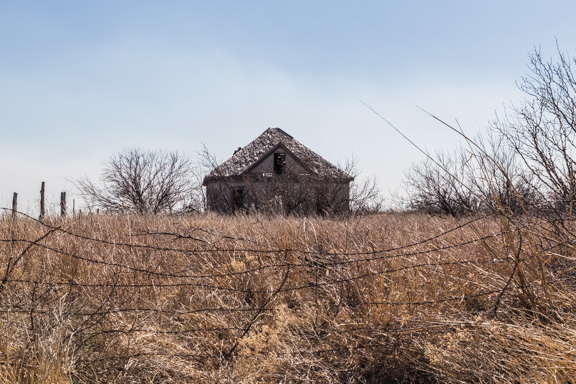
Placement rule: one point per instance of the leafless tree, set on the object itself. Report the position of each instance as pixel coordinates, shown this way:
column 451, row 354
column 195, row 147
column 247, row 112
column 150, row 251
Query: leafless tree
column 524, row 163
column 485, row 176
column 542, row 129
column 143, row 182
column 439, row 186
column 498, row 177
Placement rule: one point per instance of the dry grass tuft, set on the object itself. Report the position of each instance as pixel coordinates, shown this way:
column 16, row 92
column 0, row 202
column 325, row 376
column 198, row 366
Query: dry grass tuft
column 383, row 298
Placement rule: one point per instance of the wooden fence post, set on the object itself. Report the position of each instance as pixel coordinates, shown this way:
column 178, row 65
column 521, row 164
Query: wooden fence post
column 42, row 211
column 14, row 204
column 62, row 204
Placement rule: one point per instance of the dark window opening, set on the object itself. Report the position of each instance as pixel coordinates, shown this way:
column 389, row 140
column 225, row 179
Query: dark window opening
column 237, row 199
column 322, row 206
column 279, row 163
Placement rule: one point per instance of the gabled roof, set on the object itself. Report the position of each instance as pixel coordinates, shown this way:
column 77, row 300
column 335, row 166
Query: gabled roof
column 244, row 158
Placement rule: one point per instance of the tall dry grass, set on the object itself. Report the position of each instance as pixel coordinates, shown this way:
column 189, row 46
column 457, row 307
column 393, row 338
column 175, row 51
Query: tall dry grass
column 208, row 299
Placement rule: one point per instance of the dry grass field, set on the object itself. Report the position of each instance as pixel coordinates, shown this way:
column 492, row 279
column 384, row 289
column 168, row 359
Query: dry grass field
column 389, row 298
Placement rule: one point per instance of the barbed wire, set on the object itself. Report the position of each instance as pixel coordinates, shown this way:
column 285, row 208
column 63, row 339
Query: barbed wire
column 321, row 269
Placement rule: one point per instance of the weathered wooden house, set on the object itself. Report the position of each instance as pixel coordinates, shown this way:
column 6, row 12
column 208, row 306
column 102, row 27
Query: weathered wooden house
column 277, row 174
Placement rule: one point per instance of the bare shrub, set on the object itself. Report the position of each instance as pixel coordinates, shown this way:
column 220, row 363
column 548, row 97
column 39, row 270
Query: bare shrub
column 143, row 182
column 442, row 186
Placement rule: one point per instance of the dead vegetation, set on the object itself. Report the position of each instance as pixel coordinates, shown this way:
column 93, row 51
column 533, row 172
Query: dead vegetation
column 206, row 299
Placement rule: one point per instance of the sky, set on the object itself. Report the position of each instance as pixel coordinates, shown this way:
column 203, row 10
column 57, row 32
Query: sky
column 82, row 80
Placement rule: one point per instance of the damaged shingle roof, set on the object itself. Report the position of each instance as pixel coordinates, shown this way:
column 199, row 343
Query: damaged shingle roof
column 245, row 157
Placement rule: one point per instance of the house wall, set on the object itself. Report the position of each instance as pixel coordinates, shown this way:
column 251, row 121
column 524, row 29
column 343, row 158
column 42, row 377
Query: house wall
column 219, row 194
column 287, row 195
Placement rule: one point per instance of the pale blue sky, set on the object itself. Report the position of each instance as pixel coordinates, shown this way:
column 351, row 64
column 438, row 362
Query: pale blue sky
column 80, row 80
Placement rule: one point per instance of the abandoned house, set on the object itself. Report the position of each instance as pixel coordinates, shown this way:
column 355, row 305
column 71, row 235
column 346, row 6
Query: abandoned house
column 277, row 174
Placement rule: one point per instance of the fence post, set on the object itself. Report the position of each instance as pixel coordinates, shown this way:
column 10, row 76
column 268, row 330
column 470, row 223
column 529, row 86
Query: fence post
column 14, row 204
column 42, row 212
column 62, row 204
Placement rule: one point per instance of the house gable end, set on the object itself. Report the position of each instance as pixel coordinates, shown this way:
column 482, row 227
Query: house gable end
column 267, row 158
